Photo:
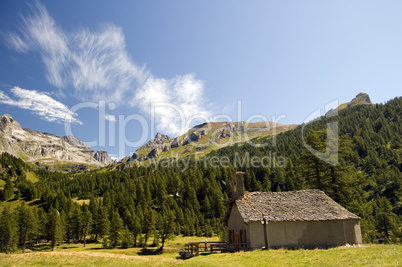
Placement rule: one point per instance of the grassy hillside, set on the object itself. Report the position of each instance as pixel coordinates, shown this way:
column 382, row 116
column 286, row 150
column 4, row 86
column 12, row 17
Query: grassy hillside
column 212, row 136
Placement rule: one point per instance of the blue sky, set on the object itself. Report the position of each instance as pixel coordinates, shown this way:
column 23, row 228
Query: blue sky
column 120, row 71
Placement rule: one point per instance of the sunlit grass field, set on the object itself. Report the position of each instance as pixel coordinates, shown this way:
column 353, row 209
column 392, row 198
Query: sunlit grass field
column 95, row 255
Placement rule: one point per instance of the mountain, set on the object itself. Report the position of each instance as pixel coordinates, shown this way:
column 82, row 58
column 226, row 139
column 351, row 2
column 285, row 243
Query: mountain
column 360, row 99
column 45, row 148
column 210, row 136
column 366, row 181
column 204, row 138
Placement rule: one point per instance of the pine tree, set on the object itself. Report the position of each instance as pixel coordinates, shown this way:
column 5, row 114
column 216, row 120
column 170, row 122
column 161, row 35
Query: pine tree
column 314, row 167
column 385, row 219
column 8, row 232
column 86, row 220
column 8, row 188
column 54, row 228
column 126, row 238
column 137, row 226
column 101, row 223
column 116, row 225
column 27, row 225
column 266, row 184
column 69, row 226
column 76, row 223
column 42, row 224
column 149, row 224
column 166, row 225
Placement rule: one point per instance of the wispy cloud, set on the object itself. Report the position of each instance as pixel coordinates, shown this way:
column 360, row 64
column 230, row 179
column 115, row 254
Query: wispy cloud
column 95, row 63
column 175, row 103
column 40, row 104
column 97, row 66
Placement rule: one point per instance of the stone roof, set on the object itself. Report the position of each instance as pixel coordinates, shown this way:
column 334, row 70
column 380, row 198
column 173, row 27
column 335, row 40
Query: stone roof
column 305, row 205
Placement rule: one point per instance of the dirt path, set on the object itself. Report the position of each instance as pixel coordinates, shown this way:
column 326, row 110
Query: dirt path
column 83, row 254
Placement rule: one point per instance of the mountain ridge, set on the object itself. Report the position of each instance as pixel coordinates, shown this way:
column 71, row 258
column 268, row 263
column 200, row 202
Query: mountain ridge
column 46, row 148
column 205, row 137
column 200, row 138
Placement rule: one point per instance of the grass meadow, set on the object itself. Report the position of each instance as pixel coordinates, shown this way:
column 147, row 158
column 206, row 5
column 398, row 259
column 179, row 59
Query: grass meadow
column 95, row 255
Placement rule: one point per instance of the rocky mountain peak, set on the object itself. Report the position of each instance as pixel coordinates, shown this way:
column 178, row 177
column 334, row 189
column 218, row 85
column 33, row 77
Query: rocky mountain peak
column 161, row 137
column 158, row 140
column 360, row 99
column 103, row 157
column 7, row 124
column 74, row 141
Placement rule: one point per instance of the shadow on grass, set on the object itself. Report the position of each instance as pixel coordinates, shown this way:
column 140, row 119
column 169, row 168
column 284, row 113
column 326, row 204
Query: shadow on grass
column 36, row 202
column 100, row 248
column 107, row 248
column 40, row 247
column 68, row 247
column 147, row 251
column 191, row 256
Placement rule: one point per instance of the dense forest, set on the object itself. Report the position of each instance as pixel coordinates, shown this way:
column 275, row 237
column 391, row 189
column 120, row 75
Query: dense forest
column 142, row 206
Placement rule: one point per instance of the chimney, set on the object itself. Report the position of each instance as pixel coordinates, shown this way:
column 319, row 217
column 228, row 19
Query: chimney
column 238, row 185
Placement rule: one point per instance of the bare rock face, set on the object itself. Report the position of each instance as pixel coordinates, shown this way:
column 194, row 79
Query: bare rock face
column 135, row 156
column 157, row 141
column 176, row 142
column 192, row 138
column 46, row 148
column 7, row 124
column 103, row 157
column 73, row 141
column 157, row 151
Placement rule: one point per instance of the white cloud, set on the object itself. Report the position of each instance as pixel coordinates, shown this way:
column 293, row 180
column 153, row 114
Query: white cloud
column 95, row 63
column 109, row 117
column 97, row 66
column 40, row 104
column 176, row 103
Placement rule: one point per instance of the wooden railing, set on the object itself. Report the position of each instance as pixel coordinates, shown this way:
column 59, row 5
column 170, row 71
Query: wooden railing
column 194, row 248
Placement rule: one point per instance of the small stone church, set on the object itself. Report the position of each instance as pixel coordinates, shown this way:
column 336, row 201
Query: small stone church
column 307, row 218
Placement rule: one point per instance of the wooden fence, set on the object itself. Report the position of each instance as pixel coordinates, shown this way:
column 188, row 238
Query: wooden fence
column 194, row 248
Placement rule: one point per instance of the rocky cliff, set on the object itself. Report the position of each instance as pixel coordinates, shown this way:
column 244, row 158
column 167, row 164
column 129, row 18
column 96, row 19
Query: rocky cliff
column 46, row 148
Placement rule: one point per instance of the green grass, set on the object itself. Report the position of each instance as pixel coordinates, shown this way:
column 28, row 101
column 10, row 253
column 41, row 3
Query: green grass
column 95, row 255
column 13, row 204
column 31, row 176
column 81, row 201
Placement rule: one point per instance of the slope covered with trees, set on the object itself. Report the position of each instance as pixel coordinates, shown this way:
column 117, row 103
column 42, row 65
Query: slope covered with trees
column 142, row 205
column 367, row 180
